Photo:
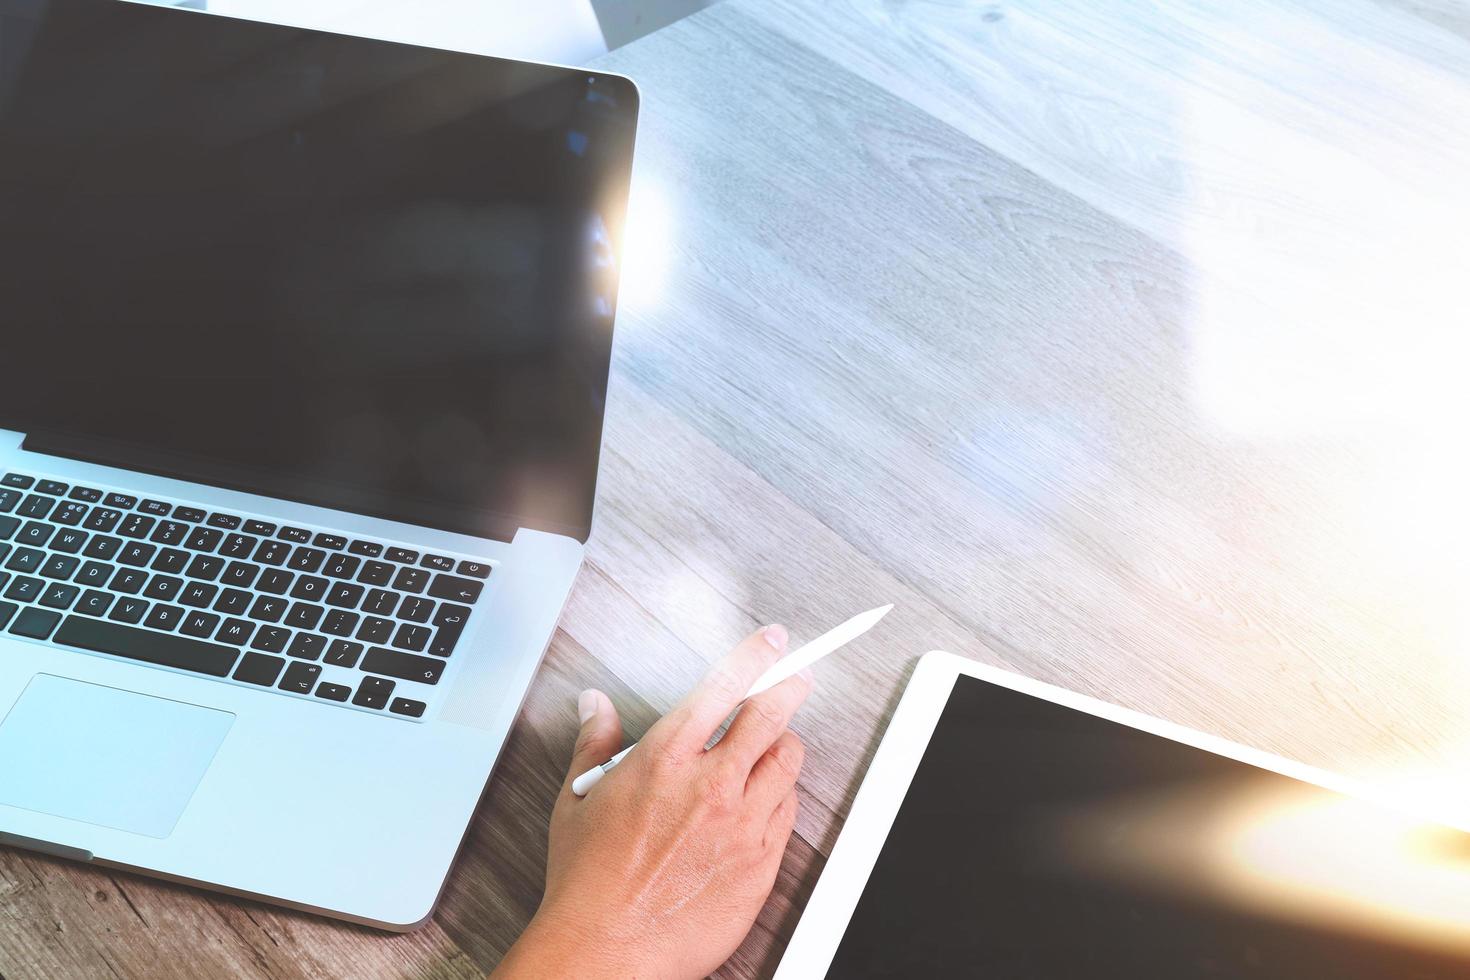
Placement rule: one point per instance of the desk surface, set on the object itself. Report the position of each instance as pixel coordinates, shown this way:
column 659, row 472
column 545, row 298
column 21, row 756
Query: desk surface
column 1117, row 346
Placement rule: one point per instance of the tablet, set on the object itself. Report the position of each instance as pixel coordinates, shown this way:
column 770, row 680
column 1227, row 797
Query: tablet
column 1011, row 829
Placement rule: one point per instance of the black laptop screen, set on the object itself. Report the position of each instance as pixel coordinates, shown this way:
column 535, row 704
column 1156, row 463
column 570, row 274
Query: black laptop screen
column 359, row 274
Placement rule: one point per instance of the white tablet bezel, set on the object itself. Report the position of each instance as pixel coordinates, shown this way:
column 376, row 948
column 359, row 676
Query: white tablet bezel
column 822, row 925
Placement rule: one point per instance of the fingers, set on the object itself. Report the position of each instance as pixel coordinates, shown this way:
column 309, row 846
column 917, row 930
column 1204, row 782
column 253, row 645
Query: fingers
column 761, row 722
column 694, row 721
column 783, row 821
column 775, row 773
column 601, row 736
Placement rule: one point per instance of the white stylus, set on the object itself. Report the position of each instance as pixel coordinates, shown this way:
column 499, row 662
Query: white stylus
column 787, row 666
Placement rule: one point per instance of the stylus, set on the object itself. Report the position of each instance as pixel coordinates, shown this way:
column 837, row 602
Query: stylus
column 788, row 666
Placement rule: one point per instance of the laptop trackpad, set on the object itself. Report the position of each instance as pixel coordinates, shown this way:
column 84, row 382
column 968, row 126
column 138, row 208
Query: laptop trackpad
column 105, row 756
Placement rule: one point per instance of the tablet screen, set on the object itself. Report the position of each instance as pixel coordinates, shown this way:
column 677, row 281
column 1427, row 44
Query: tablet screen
column 1040, row 841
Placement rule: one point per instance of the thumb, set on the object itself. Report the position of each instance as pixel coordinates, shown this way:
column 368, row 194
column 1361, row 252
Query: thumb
column 601, row 736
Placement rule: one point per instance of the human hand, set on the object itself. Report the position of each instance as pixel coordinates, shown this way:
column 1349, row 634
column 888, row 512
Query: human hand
column 661, row 869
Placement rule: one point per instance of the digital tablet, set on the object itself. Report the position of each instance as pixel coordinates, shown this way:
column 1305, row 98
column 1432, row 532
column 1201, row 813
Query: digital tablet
column 1011, row 829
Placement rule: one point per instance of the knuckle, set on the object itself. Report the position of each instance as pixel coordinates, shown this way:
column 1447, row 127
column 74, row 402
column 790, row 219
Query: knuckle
column 725, row 683
column 767, row 712
column 714, row 789
column 787, row 756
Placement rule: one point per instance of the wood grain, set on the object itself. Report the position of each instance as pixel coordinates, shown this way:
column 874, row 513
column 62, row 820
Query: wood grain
column 1116, row 343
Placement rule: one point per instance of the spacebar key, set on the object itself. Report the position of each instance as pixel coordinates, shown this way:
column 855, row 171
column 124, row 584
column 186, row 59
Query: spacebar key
column 154, row 648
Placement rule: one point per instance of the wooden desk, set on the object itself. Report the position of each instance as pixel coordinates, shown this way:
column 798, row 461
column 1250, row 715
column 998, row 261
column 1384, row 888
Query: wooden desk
column 1119, row 346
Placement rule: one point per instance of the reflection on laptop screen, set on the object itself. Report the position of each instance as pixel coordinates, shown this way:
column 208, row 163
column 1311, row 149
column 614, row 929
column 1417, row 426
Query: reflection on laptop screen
column 362, row 274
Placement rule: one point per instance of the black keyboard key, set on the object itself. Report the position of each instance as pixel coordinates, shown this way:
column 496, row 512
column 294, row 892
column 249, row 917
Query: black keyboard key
column 69, row 541
column 128, row 581
column 204, row 539
column 298, row 535
column 310, row 588
column 307, row 559
column 198, row 595
column 171, row 561
column 60, row 567
column 8, row 527
column 438, row 563
column 169, row 532
column 94, row 603
column 344, row 595
column 416, row 610
column 228, row 522
column 128, row 610
column 103, row 519
column 304, row 616
column 165, row 617
column 270, row 639
column 343, row 653
column 206, row 568
column 94, row 574
column 307, row 646
column 272, row 553
column 163, row 587
column 300, row 678
column 121, row 501
column 237, row 546
column 201, row 624
column 70, row 514
column 268, row 609
column 411, row 637
column 334, row 692
column 102, row 547
column 373, row 692
column 260, row 528
column 366, row 549
column 35, row 506
column 341, row 566
column 375, row 630
column 412, row 580
column 404, row 666
column 451, row 615
column 136, row 554
column 236, row 632
column 191, row 514
column 153, row 648
column 466, row 590
column 274, row 581
column 8, row 500
column 86, row 494
column 35, row 534
column 474, row 569
column 332, row 542
column 375, row 573
column 7, row 613
column 53, row 487
column 403, row 556
column 155, row 507
column 17, row 480
column 257, row 668
column 405, row 706
column 34, row 623
column 444, row 641
column 136, row 526
column 26, row 560
column 339, row 622
column 4, row 550
column 240, row 575
column 59, row 596
column 381, row 602
column 25, row 589
column 232, row 602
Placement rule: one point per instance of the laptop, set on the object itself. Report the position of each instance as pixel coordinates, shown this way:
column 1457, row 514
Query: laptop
column 304, row 349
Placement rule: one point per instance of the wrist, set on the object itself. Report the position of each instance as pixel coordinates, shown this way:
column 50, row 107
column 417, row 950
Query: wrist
column 552, row 947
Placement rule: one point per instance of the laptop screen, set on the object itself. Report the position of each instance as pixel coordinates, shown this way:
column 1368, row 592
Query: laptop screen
column 359, row 274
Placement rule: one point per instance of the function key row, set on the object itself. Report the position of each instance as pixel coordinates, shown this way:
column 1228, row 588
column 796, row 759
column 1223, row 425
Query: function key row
column 143, row 523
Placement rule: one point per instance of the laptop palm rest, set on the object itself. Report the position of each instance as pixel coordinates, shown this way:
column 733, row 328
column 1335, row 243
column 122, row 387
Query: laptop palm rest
column 106, row 756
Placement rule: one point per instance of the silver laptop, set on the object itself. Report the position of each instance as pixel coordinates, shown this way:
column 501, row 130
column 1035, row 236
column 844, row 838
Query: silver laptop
column 304, row 345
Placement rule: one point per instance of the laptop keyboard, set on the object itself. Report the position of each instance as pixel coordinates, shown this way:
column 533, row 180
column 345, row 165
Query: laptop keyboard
column 308, row 613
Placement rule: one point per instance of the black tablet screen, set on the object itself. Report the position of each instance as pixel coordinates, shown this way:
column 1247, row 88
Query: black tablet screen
column 1041, row 842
